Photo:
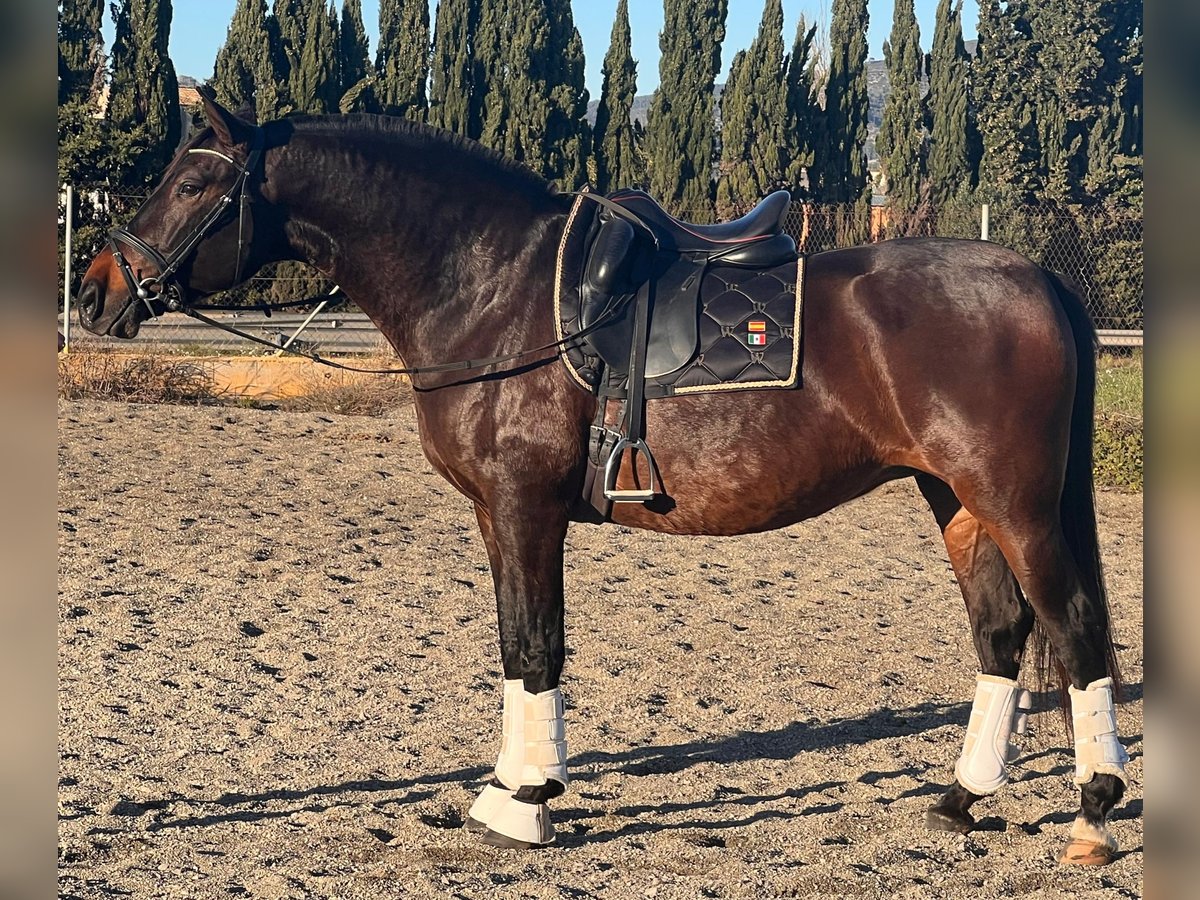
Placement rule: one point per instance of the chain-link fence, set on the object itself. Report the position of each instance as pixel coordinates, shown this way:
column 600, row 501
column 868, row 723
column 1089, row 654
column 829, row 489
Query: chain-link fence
column 1097, row 247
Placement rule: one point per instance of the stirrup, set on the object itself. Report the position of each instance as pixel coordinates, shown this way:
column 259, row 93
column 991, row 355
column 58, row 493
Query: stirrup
column 613, row 466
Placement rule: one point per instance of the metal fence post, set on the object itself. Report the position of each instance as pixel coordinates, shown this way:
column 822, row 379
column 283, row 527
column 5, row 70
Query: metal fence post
column 312, row 315
column 69, row 221
column 983, row 223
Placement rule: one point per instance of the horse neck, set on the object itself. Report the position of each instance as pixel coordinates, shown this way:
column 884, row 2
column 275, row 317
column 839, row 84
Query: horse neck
column 450, row 255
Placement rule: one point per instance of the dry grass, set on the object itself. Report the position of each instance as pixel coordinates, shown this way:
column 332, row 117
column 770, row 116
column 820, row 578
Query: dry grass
column 133, row 379
column 352, row 393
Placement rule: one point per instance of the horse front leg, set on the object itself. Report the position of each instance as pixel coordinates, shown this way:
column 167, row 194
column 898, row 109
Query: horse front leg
column 525, row 546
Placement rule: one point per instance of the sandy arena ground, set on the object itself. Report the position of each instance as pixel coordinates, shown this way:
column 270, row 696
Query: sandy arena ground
column 279, row 677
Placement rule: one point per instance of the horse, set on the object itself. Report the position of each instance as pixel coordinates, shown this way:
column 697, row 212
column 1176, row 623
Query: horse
column 960, row 364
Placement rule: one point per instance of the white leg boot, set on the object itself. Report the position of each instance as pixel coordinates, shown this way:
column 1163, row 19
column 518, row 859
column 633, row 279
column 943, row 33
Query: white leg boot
column 509, row 763
column 543, row 758
column 1000, row 708
column 533, row 751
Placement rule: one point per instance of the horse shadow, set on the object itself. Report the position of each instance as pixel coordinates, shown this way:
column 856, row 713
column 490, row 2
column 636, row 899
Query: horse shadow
column 653, row 759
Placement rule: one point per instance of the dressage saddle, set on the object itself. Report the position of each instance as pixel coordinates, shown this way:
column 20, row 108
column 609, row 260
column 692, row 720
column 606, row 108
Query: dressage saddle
column 671, row 260
column 641, row 308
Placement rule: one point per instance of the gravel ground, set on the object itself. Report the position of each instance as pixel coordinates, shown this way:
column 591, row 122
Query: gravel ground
column 279, row 677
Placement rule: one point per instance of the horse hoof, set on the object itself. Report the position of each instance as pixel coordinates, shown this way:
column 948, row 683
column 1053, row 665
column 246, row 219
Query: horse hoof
column 504, row 842
column 475, row 826
column 1087, row 853
column 942, row 818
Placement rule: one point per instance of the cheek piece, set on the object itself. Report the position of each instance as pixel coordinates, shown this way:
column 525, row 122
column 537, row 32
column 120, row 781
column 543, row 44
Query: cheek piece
column 999, row 709
column 533, row 751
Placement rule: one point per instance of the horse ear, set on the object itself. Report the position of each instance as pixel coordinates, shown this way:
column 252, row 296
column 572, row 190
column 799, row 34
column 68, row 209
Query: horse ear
column 230, row 130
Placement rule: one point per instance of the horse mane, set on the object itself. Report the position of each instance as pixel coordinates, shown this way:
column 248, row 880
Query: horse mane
column 420, row 137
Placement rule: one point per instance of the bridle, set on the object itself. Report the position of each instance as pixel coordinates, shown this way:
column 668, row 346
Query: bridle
column 163, row 286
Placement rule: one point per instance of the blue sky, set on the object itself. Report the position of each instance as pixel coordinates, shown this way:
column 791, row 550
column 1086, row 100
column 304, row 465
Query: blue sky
column 199, row 28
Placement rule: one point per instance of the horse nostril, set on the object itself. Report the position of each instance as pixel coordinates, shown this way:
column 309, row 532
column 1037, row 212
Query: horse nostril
column 89, row 301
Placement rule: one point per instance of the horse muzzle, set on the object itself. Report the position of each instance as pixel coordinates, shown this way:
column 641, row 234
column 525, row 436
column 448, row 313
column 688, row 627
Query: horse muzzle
column 105, row 305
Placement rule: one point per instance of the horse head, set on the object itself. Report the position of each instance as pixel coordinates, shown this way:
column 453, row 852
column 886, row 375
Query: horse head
column 195, row 235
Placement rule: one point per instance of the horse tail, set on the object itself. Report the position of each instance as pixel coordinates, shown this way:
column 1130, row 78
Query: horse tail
column 1077, row 507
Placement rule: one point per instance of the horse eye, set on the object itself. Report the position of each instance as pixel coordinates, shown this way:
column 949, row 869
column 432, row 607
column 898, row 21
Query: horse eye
column 188, row 189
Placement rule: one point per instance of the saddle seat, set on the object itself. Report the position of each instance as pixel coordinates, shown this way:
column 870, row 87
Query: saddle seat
column 765, row 220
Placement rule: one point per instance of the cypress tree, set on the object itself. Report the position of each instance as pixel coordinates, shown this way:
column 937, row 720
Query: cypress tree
column 353, row 62
column 454, row 102
column 489, row 71
column 402, row 59
column 680, row 128
column 802, row 115
column 315, row 85
column 80, row 49
column 235, row 77
column 287, row 45
column 949, row 161
column 618, row 159
column 143, row 106
column 307, row 56
column 753, row 112
column 1005, row 63
column 900, row 140
column 530, row 57
column 840, row 165
column 567, row 142
column 80, row 74
column 82, row 148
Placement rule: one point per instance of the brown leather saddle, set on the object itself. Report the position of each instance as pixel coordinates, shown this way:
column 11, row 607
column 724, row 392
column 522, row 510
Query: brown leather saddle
column 670, row 307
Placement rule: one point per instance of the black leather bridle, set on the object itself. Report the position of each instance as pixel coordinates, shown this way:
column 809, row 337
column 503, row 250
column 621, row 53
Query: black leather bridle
column 163, row 286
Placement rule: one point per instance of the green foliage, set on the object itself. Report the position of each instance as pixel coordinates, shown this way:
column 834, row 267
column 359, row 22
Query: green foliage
column 143, row 104
column 455, row 98
column 947, row 117
column 353, row 64
column 402, row 60
column 680, row 127
column 617, row 152
column 753, row 114
column 1058, row 87
column 238, row 61
column 80, row 49
column 1118, row 447
column 840, row 166
column 901, row 139
column 534, row 100
column 307, row 57
column 802, row 114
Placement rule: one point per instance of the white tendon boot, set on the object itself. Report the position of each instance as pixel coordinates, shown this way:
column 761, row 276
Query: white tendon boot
column 999, row 709
column 533, row 751
column 508, row 763
column 1097, row 752
column 1097, row 749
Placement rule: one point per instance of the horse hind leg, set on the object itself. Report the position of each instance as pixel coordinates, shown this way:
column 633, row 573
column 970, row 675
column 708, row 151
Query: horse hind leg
column 1001, row 621
column 1075, row 619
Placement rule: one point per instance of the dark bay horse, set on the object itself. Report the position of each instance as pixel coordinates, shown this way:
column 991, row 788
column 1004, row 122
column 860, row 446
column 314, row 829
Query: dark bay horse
column 959, row 363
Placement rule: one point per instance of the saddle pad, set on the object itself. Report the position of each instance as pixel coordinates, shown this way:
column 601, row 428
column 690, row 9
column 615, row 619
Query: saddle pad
column 749, row 332
column 749, row 325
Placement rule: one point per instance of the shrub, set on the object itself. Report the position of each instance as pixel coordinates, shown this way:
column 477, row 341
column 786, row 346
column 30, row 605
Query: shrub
column 133, row 379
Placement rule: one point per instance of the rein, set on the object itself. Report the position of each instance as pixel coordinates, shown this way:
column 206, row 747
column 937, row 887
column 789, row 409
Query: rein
column 164, row 288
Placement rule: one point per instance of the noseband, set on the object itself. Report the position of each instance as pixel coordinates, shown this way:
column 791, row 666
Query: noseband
column 163, row 287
